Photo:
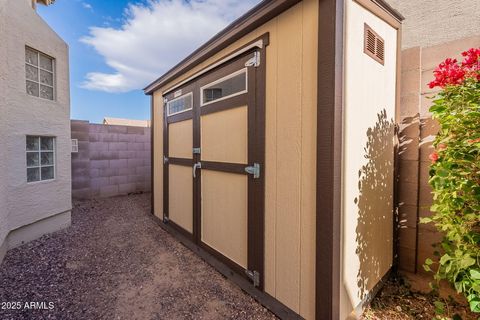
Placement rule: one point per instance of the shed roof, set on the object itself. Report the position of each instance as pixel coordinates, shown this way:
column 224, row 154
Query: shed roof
column 254, row 18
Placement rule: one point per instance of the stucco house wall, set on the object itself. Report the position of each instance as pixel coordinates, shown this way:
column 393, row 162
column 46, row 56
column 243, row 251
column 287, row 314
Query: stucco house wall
column 3, row 194
column 29, row 210
column 431, row 22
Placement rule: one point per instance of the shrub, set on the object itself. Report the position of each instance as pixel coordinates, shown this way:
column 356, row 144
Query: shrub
column 455, row 175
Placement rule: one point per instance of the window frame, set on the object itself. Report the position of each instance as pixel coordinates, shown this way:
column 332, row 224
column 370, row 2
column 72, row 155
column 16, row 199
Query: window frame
column 178, row 98
column 39, row 152
column 74, row 145
column 53, row 72
column 229, row 76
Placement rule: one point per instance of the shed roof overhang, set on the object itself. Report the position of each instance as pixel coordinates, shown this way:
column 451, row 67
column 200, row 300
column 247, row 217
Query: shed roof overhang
column 46, row 2
column 254, row 18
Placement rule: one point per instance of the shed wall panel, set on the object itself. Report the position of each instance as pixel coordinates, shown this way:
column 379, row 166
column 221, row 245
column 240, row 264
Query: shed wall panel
column 289, row 113
column 180, row 196
column 368, row 152
column 180, row 139
column 224, row 203
column 225, row 136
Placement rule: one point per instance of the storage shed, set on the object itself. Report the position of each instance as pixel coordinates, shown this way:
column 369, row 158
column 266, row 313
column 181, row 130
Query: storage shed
column 273, row 153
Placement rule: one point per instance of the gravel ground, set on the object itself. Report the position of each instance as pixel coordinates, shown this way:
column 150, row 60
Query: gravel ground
column 115, row 262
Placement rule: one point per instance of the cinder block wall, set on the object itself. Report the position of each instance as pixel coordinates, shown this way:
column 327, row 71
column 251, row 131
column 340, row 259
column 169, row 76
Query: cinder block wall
column 111, row 160
column 417, row 131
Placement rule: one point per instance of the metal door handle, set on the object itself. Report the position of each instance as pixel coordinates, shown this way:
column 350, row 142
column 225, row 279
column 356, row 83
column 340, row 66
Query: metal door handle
column 196, row 166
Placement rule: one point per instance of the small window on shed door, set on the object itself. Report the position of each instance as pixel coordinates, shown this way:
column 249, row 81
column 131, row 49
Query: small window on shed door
column 373, row 45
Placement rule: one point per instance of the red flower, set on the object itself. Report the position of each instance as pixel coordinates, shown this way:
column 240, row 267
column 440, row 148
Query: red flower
column 474, row 140
column 471, row 60
column 448, row 72
column 433, row 157
column 441, row 146
column 471, row 63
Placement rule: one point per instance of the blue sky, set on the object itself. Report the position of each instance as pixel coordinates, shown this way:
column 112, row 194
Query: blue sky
column 119, row 46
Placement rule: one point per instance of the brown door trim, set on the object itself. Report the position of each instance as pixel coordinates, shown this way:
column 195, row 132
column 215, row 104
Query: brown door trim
column 329, row 158
column 256, row 149
column 180, row 117
column 223, row 105
column 255, row 100
column 165, row 163
column 224, row 167
column 152, row 153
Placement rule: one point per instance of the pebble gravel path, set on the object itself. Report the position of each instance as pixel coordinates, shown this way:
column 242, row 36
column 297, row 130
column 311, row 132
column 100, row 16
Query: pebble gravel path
column 115, row 262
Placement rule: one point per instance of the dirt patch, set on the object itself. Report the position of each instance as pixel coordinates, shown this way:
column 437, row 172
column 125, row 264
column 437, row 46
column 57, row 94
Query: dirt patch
column 114, row 262
column 396, row 301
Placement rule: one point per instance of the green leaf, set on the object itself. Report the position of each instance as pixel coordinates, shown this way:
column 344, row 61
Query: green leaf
column 475, row 274
column 426, row 220
column 474, row 304
column 466, row 262
column 445, row 258
column 439, row 307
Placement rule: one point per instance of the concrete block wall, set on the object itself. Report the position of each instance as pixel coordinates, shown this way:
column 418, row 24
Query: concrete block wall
column 417, row 132
column 111, row 160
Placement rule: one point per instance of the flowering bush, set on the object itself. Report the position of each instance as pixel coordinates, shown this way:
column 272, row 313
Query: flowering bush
column 455, row 175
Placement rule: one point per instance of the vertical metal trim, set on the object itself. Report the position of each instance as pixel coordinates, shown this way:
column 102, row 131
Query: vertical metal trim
column 152, row 153
column 165, row 165
column 329, row 158
column 197, row 157
column 396, row 217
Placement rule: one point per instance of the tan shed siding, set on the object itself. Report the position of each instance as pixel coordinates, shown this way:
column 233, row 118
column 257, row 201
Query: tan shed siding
column 225, row 204
column 309, row 163
column 289, row 112
column 271, row 163
column 290, row 153
column 180, row 196
column 369, row 114
column 158, row 153
column 180, row 139
column 224, row 136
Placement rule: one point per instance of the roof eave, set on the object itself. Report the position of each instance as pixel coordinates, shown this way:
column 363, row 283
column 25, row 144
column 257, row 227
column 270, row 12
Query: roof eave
column 260, row 14
column 257, row 16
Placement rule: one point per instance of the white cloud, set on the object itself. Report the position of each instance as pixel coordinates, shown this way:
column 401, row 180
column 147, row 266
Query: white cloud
column 154, row 37
column 87, row 6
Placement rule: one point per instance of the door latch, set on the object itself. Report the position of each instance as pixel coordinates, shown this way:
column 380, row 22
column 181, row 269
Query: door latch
column 196, row 166
column 254, row 170
column 254, row 276
column 196, row 150
column 165, row 159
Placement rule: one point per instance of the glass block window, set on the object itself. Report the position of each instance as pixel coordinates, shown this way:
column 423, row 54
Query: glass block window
column 180, row 104
column 39, row 74
column 74, row 145
column 40, row 158
column 224, row 88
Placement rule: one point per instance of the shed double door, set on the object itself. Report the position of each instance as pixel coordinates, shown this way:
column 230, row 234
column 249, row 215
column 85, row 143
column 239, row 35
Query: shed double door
column 214, row 165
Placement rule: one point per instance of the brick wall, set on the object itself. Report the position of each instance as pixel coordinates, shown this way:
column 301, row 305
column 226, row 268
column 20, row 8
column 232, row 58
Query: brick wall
column 417, row 131
column 111, row 160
